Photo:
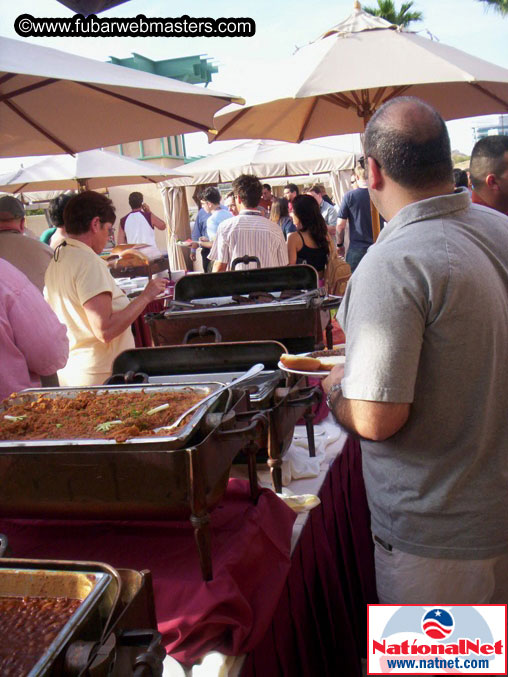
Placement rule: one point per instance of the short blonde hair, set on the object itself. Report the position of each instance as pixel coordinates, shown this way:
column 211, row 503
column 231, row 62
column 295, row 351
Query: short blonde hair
column 360, row 172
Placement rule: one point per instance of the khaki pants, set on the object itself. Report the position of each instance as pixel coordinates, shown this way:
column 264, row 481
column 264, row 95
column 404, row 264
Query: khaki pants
column 402, row 578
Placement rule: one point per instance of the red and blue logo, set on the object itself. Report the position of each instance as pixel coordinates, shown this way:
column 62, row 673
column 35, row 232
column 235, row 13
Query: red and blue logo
column 438, row 624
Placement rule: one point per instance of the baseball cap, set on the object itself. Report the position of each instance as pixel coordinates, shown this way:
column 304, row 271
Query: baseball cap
column 10, row 208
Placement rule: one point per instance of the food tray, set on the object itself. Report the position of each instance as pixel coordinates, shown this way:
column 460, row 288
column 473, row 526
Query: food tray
column 175, row 440
column 96, row 585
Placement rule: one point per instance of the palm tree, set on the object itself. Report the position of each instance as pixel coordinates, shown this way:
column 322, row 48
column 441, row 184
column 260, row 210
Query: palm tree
column 386, row 10
column 500, row 6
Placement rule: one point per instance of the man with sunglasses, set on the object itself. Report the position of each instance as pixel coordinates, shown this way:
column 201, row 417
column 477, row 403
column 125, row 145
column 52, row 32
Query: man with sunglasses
column 424, row 384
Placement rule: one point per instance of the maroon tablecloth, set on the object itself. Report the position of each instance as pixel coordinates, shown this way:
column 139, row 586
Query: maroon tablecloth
column 319, row 626
column 251, row 560
column 140, row 329
column 309, row 623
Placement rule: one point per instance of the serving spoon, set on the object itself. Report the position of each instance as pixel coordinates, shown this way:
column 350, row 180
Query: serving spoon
column 253, row 371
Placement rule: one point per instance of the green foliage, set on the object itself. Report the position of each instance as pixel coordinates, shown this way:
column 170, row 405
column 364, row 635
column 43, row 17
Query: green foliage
column 33, row 212
column 403, row 17
column 500, row 6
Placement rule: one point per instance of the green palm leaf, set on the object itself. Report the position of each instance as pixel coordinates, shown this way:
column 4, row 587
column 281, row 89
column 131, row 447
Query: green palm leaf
column 500, row 6
column 403, row 17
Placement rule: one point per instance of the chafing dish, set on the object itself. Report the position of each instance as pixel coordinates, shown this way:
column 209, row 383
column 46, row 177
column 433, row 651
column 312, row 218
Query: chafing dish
column 113, row 632
column 155, row 265
column 281, row 304
column 143, row 478
column 176, row 440
column 269, row 392
column 95, row 586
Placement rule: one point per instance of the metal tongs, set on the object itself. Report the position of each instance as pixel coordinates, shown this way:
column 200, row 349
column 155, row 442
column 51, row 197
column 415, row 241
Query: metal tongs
column 305, row 296
column 253, row 371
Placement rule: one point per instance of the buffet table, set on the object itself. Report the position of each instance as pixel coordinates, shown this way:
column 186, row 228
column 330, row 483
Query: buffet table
column 319, row 626
column 288, row 597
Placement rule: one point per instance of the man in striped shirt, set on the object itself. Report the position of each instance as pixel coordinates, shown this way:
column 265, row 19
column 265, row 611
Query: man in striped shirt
column 249, row 233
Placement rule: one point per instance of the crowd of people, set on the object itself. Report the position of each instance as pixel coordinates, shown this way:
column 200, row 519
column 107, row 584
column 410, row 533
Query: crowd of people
column 425, row 316
column 72, row 334
column 250, row 220
column 321, row 219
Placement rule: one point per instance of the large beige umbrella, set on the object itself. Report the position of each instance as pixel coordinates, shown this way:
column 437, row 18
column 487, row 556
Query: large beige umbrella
column 54, row 102
column 87, row 170
column 335, row 84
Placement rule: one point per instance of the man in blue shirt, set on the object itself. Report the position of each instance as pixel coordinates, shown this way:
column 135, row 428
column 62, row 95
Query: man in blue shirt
column 199, row 231
column 217, row 212
column 209, row 217
column 355, row 210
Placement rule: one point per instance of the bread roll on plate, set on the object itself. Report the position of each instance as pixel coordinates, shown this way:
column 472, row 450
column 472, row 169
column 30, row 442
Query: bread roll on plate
column 131, row 257
column 300, row 362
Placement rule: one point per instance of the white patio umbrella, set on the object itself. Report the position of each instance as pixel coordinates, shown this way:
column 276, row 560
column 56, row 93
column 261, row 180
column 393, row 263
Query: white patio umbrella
column 335, row 84
column 265, row 159
column 88, row 170
column 54, row 102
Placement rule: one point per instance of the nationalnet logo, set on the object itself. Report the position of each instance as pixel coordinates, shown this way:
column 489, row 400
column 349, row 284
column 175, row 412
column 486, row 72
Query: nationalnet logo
column 437, row 640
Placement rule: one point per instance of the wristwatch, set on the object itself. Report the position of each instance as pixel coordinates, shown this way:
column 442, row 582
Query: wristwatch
column 334, row 389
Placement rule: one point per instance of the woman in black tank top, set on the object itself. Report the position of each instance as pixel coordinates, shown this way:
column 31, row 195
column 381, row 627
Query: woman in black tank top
column 310, row 243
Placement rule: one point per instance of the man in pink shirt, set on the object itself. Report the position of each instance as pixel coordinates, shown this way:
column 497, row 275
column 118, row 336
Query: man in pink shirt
column 28, row 350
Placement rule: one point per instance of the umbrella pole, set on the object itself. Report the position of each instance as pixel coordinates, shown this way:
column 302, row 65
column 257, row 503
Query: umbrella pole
column 376, row 223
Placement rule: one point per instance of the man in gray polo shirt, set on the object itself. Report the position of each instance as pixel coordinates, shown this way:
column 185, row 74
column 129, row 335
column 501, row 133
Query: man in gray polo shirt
column 425, row 381
column 28, row 255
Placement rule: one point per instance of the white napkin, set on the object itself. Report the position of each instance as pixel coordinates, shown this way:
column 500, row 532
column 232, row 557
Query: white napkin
column 296, row 462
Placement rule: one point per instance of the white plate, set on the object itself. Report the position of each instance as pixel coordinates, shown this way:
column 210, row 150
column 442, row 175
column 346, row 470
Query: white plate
column 314, row 374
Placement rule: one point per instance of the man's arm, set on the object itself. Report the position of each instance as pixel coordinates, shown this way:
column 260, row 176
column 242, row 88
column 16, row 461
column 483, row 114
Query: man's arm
column 106, row 324
column 375, row 421
column 341, row 228
column 219, row 267
column 331, row 217
column 49, row 351
column 156, row 221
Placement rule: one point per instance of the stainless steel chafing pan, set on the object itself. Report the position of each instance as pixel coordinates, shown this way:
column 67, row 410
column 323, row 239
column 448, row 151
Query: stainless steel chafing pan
column 176, row 440
column 95, row 585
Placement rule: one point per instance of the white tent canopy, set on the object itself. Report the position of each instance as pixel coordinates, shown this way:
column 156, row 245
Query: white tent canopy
column 266, row 159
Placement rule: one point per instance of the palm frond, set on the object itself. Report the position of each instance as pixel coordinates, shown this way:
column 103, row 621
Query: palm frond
column 499, row 5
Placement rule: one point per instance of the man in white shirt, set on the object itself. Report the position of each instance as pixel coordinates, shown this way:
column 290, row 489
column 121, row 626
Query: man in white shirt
column 137, row 227
column 249, row 233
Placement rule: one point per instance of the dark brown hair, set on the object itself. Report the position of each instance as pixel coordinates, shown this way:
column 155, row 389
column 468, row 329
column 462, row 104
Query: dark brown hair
column 307, row 210
column 82, row 208
column 248, row 188
column 279, row 209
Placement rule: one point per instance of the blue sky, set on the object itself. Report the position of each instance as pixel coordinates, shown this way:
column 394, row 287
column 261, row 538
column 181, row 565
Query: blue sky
column 249, row 65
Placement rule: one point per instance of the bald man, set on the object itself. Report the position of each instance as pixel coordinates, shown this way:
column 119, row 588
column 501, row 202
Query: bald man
column 424, row 384
column 489, row 173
